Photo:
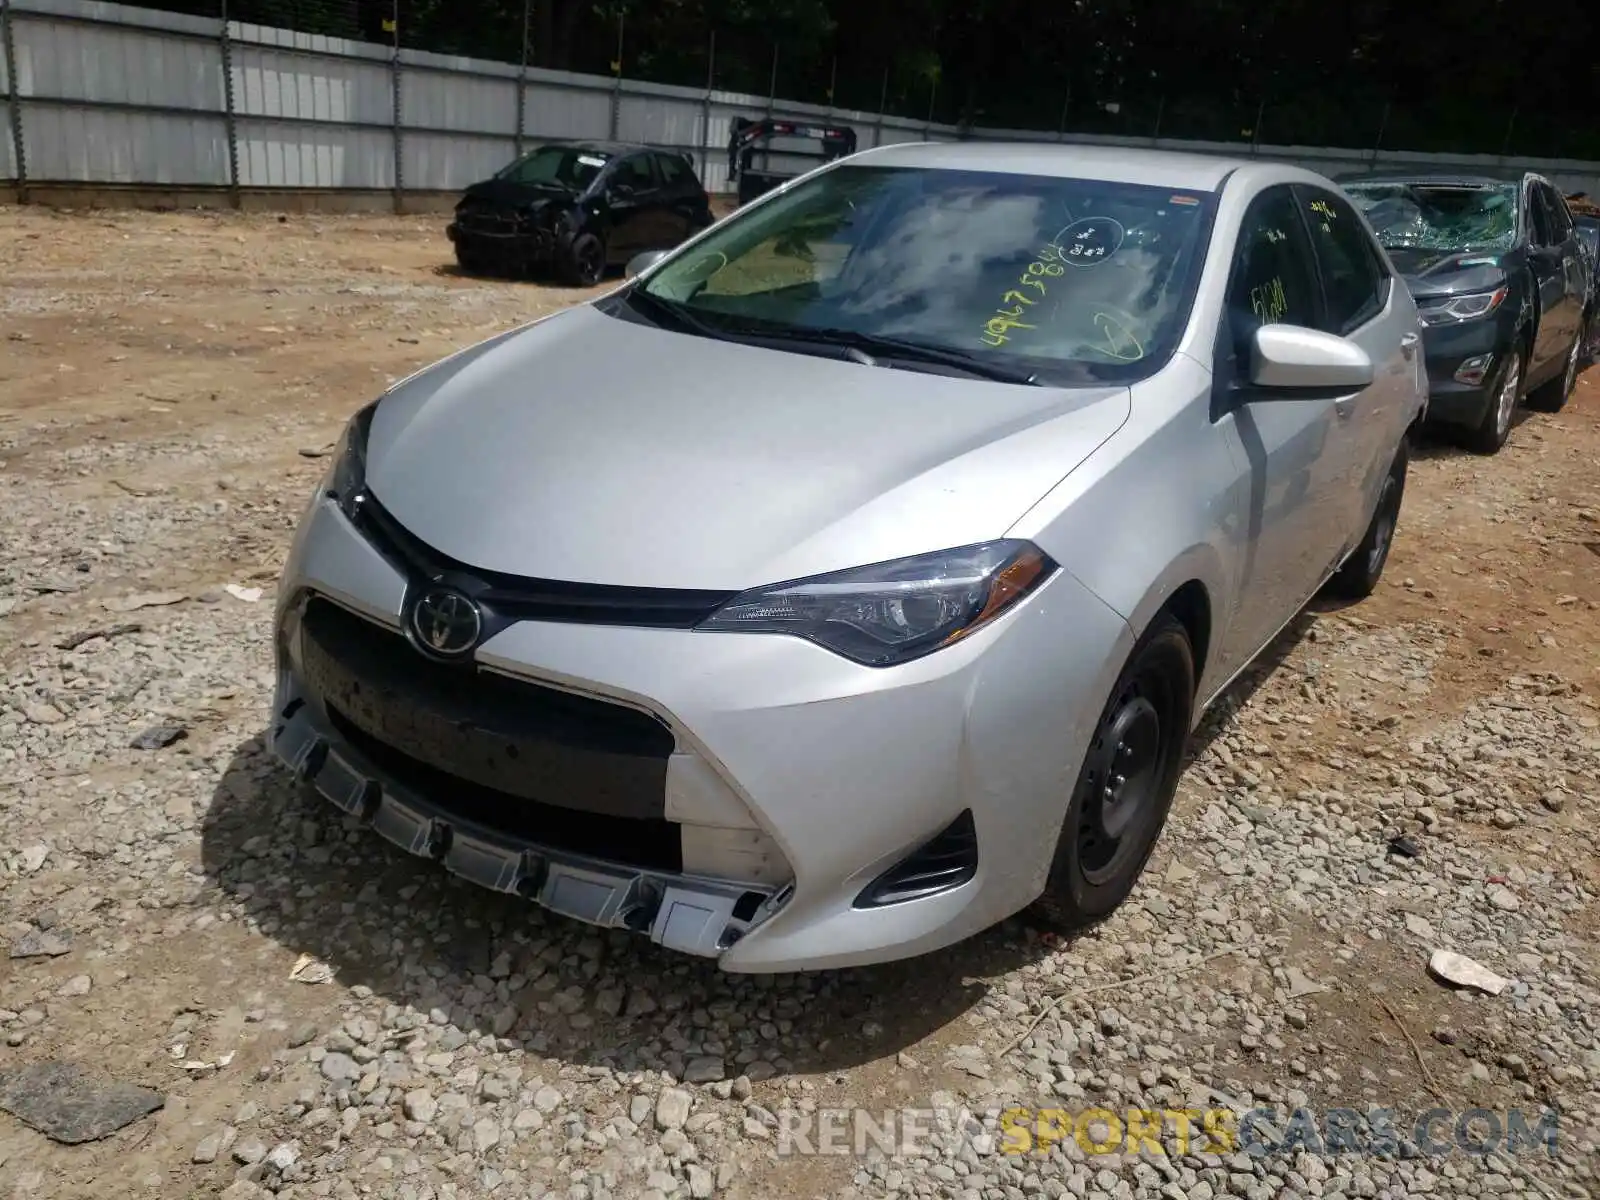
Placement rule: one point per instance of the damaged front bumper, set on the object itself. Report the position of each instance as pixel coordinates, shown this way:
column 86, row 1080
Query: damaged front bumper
column 755, row 798
column 681, row 912
column 509, row 245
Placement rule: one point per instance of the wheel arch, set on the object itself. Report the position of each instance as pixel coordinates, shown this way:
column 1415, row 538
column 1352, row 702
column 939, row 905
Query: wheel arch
column 1189, row 590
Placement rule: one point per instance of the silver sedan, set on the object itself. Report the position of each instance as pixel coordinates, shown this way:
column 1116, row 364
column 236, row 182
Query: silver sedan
column 851, row 577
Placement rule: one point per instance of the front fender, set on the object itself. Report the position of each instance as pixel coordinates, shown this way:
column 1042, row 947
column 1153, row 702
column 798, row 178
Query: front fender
column 1200, row 564
column 1155, row 507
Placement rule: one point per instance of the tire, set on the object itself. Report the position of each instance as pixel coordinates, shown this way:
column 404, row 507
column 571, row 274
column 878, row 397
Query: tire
column 1492, row 431
column 1144, row 728
column 1358, row 577
column 1553, row 396
column 467, row 262
column 583, row 262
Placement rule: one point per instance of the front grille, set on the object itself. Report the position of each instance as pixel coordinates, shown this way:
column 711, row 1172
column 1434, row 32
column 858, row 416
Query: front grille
column 652, row 844
column 484, row 218
column 515, row 598
column 946, row 862
column 522, row 741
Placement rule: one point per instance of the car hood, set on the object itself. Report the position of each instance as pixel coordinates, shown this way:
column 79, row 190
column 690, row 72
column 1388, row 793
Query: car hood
column 588, row 448
column 1450, row 273
column 502, row 193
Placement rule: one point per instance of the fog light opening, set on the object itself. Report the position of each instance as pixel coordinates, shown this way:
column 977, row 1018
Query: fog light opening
column 1474, row 370
column 438, row 844
column 640, row 915
column 746, row 907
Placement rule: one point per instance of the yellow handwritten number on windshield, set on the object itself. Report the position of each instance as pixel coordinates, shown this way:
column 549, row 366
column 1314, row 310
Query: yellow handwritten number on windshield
column 1046, row 266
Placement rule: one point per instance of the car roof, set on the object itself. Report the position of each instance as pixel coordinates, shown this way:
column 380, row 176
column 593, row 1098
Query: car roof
column 1067, row 160
column 602, row 147
column 1435, row 178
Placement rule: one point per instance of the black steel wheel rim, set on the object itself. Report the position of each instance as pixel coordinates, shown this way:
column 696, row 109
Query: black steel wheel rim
column 589, row 260
column 1119, row 792
column 1383, row 527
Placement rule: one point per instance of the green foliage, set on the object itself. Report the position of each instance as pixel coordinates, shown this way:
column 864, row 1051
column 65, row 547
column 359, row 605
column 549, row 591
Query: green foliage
column 1279, row 71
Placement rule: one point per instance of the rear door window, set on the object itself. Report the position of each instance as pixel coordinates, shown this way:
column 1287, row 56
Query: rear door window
column 1560, row 219
column 1354, row 283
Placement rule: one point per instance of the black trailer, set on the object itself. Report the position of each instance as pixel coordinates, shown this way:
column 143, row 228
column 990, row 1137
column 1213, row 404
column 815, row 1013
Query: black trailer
column 763, row 153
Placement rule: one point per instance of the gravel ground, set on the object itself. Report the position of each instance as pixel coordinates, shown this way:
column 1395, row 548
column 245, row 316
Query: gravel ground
column 325, row 1017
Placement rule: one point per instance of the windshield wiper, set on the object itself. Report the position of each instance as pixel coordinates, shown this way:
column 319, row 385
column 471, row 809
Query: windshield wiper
column 868, row 347
column 675, row 312
column 873, row 346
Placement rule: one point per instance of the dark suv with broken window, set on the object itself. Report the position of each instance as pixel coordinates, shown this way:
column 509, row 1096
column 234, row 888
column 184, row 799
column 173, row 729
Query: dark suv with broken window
column 1499, row 276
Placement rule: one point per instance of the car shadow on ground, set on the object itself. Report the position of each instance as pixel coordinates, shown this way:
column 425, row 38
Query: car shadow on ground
column 1221, row 717
column 545, row 279
column 322, row 885
column 1443, row 441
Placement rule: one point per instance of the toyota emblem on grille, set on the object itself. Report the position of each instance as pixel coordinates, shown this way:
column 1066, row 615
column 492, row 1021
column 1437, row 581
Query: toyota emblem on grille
column 446, row 623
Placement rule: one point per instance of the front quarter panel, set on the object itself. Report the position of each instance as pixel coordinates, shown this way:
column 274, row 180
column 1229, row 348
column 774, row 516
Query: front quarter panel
column 1155, row 508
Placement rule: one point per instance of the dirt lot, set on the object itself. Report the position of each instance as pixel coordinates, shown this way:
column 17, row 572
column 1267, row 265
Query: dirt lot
column 169, row 385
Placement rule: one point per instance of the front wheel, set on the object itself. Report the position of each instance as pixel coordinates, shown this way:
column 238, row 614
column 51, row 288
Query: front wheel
column 1126, row 783
column 1359, row 576
column 1492, row 431
column 584, row 262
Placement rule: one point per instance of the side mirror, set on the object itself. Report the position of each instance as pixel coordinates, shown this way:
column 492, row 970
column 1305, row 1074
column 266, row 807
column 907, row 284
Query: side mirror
column 1293, row 359
column 640, row 263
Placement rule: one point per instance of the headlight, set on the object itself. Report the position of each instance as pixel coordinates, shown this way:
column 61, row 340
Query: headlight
column 347, row 481
column 1461, row 308
column 893, row 612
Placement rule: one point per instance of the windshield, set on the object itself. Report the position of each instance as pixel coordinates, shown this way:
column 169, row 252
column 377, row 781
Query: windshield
column 1069, row 280
column 560, row 166
column 1424, row 216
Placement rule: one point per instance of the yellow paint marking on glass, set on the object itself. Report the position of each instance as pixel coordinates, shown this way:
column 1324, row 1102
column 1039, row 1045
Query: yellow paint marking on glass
column 1046, row 266
column 1121, row 344
column 1269, row 302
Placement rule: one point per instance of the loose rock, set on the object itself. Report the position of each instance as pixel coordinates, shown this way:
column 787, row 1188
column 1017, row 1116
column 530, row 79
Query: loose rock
column 68, row 1103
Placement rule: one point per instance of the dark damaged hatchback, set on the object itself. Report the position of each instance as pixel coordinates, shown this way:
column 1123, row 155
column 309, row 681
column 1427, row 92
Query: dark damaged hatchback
column 1497, row 272
column 576, row 208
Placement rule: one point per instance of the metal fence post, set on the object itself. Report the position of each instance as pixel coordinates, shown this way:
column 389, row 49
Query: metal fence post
column 522, row 77
column 399, row 137
column 616, row 70
column 933, row 94
column 228, row 111
column 1511, row 125
column 1255, row 129
column 705, row 110
column 772, row 88
column 883, row 105
column 1383, row 128
column 1161, row 108
column 14, row 101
